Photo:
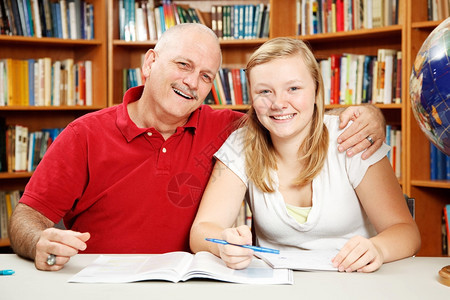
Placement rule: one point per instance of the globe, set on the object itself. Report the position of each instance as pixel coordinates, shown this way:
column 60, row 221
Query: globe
column 430, row 87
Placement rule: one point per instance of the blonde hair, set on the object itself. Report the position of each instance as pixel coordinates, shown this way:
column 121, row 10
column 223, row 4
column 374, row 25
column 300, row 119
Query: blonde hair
column 259, row 152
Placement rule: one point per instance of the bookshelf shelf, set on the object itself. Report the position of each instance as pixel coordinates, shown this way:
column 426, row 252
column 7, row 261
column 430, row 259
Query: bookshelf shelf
column 441, row 184
column 23, row 40
column 394, row 106
column 15, row 175
column 123, row 43
column 50, row 108
column 388, row 31
column 233, row 107
column 426, row 25
column 4, row 242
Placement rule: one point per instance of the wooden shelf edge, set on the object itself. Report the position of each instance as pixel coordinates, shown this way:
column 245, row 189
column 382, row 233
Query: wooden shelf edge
column 444, row 184
column 14, row 175
column 381, row 106
column 342, row 35
column 426, row 24
column 17, row 39
column 327, row 106
column 151, row 43
column 50, row 108
column 4, row 243
column 234, row 107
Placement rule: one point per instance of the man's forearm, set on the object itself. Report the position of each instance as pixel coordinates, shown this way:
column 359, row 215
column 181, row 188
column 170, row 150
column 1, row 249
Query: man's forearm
column 25, row 230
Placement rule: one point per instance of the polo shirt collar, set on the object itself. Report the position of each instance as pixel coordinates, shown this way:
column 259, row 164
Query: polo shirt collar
column 127, row 127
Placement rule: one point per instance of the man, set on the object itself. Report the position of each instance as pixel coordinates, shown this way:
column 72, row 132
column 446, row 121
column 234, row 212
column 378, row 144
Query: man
column 129, row 178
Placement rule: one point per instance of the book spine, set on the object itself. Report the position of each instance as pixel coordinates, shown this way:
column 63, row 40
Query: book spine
column 433, row 162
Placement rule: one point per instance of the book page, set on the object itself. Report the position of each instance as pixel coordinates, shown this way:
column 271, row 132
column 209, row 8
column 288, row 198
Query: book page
column 207, row 265
column 302, row 260
column 120, row 269
column 177, row 266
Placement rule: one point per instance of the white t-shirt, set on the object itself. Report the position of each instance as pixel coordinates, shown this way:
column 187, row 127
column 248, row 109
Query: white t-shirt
column 336, row 214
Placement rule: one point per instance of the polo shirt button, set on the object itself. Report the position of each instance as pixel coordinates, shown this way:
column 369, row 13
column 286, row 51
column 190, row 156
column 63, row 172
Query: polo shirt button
column 164, row 150
column 149, row 133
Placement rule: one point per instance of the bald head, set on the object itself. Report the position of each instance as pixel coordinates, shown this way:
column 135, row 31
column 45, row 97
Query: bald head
column 187, row 32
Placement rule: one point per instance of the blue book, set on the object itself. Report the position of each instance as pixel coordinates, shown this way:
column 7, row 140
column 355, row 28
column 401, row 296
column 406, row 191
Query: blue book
column 82, row 20
column 16, row 14
column 223, row 73
column 52, row 133
column 236, row 22
column 441, row 171
column 433, row 162
column 31, row 82
column 91, row 21
column 31, row 144
column 447, row 164
column 244, row 87
column 162, row 18
column 29, row 16
column 388, row 140
column 54, row 20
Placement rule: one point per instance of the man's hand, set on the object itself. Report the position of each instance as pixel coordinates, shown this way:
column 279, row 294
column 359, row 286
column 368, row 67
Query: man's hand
column 368, row 123
column 62, row 243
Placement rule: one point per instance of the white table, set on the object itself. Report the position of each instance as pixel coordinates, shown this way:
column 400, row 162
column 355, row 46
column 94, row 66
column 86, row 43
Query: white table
column 412, row 278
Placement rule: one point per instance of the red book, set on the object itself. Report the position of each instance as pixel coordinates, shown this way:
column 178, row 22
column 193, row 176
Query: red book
column 215, row 92
column 235, row 73
column 335, row 78
column 339, row 15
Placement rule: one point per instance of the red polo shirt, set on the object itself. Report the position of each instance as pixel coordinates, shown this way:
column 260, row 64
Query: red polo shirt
column 132, row 190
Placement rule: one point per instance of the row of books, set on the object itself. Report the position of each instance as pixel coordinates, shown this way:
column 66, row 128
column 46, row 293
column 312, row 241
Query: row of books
column 43, row 82
column 230, row 88
column 8, row 202
column 241, row 21
column 20, row 149
column 394, row 139
column 356, row 78
column 446, row 230
column 66, row 19
column 329, row 16
column 131, row 78
column 438, row 9
column 142, row 20
column 439, row 164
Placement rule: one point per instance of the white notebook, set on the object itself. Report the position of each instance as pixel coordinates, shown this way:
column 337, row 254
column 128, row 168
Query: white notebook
column 302, row 260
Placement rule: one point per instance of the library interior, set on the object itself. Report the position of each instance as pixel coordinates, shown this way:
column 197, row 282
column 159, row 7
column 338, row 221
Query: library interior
column 63, row 59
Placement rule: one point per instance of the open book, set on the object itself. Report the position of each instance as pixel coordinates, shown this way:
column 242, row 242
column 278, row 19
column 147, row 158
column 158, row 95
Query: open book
column 302, row 260
column 177, row 266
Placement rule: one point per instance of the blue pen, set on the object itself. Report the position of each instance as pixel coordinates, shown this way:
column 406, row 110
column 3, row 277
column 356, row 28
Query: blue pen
column 254, row 248
column 6, row 272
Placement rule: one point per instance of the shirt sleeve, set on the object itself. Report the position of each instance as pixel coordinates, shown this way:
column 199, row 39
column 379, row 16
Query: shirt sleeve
column 232, row 155
column 59, row 178
column 356, row 167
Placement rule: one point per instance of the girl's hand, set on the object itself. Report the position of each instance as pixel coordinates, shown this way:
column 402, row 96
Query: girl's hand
column 358, row 254
column 236, row 257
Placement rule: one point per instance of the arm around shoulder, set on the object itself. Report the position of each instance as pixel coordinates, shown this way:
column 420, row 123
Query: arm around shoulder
column 366, row 133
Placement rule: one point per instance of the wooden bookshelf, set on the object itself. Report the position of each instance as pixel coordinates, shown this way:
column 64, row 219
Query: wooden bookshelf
column 37, row 118
column 430, row 195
